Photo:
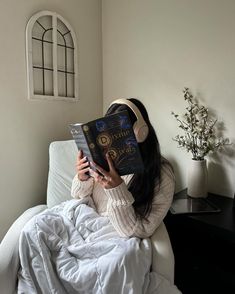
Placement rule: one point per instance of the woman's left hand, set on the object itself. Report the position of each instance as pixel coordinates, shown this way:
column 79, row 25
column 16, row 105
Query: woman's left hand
column 109, row 179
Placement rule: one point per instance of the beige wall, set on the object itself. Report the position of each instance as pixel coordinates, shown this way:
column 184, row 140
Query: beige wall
column 27, row 127
column 151, row 50
column 154, row 48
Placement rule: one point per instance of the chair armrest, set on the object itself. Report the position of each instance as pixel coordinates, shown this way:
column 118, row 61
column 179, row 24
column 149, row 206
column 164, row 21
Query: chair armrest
column 163, row 261
column 9, row 254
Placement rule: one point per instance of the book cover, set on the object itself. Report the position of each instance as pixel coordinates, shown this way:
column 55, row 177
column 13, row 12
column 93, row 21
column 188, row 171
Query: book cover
column 113, row 134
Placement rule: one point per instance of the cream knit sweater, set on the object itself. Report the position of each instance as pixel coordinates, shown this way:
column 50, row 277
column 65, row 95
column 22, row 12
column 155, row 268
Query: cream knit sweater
column 116, row 203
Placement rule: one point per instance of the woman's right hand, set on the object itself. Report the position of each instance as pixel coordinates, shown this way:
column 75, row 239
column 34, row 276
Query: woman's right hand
column 82, row 167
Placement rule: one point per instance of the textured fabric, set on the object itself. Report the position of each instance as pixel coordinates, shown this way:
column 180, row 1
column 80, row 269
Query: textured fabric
column 61, row 172
column 117, row 203
column 9, row 251
column 71, row 249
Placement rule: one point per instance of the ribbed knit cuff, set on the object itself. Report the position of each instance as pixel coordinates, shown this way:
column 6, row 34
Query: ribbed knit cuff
column 119, row 195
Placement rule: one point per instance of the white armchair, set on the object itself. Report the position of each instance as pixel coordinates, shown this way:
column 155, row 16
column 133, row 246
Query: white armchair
column 62, row 158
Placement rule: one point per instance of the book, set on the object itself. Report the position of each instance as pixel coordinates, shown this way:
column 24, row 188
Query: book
column 113, row 134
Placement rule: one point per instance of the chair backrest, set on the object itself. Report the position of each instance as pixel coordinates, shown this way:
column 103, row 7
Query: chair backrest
column 62, row 169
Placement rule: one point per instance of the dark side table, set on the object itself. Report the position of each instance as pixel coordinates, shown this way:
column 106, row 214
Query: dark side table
column 204, row 248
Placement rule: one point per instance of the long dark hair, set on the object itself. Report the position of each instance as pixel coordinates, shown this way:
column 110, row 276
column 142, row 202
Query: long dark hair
column 142, row 185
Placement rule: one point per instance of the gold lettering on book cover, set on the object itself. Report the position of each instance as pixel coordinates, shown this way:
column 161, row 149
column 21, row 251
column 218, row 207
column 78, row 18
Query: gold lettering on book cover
column 129, row 150
column 120, row 134
column 113, row 153
column 104, row 140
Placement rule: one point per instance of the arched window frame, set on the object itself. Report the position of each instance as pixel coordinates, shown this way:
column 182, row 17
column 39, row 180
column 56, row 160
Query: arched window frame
column 29, row 57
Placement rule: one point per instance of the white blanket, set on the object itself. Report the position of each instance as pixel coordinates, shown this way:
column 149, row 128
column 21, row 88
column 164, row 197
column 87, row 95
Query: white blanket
column 72, row 249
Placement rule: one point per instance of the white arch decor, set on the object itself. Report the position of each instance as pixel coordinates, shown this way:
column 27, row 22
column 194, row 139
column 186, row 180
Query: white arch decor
column 51, row 52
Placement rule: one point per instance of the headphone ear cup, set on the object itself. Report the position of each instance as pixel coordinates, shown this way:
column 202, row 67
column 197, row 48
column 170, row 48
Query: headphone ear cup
column 140, row 127
column 141, row 132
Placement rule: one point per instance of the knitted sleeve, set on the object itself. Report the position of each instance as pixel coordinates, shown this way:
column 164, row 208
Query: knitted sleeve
column 81, row 189
column 122, row 214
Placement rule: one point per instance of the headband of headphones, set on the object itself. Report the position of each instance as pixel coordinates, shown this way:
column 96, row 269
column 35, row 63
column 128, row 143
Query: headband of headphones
column 140, row 127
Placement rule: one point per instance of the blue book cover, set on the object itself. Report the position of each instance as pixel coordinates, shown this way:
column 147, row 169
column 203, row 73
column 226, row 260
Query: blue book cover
column 113, row 134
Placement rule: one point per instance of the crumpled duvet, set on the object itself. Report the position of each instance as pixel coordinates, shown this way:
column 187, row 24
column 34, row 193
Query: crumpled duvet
column 71, row 249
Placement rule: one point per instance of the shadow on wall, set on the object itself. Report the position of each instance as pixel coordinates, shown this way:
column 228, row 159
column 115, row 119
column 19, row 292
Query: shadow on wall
column 219, row 165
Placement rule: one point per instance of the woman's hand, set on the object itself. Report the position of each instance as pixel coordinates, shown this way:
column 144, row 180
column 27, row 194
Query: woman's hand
column 82, row 166
column 107, row 180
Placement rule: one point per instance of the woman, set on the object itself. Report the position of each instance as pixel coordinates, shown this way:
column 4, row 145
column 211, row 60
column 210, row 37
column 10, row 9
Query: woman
column 135, row 204
column 72, row 248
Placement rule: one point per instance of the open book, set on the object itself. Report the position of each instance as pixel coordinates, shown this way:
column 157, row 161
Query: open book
column 113, row 134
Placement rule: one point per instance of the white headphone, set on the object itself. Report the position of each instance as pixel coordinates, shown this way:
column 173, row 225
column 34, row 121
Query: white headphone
column 140, row 127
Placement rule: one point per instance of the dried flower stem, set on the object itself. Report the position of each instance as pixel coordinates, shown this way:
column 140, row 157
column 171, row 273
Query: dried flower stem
column 200, row 136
